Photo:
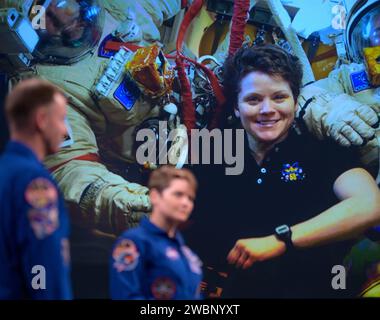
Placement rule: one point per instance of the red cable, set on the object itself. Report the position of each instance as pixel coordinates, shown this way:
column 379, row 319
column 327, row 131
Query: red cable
column 220, row 99
column 188, row 110
column 239, row 20
column 189, row 16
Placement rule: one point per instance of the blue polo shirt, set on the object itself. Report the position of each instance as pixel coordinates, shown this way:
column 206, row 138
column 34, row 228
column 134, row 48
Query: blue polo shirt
column 147, row 264
column 34, row 229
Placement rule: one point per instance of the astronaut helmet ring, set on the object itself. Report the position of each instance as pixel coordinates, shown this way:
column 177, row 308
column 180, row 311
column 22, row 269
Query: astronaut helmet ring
column 71, row 29
column 362, row 28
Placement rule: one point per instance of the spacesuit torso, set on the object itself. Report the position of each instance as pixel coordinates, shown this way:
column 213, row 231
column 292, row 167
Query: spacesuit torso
column 111, row 119
column 354, row 81
column 102, row 127
column 91, row 168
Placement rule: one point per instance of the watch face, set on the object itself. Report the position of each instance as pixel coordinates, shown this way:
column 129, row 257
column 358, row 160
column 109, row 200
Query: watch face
column 283, row 229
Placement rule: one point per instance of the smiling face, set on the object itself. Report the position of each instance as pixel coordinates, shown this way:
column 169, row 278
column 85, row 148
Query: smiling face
column 265, row 106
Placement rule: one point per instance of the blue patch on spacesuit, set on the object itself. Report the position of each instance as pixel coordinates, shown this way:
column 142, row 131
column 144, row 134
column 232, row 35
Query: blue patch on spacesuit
column 359, row 81
column 127, row 93
column 103, row 52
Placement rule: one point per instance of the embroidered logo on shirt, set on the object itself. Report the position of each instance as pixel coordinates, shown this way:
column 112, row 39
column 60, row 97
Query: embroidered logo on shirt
column 292, row 172
column 43, row 221
column 172, row 253
column 163, row 288
column 42, row 196
column 359, row 81
column 41, row 193
column 194, row 262
column 126, row 256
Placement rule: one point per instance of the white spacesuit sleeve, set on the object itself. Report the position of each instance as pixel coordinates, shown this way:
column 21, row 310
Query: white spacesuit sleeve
column 106, row 201
column 96, row 197
column 161, row 10
column 329, row 112
column 149, row 15
column 282, row 18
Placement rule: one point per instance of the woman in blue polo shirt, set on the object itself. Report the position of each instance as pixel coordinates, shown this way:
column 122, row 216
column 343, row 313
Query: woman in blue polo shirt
column 152, row 260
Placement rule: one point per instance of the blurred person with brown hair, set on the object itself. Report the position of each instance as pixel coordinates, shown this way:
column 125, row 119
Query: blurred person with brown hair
column 34, row 227
column 152, row 260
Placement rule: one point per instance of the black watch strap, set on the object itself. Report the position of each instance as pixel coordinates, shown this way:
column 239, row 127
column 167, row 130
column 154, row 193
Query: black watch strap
column 284, row 234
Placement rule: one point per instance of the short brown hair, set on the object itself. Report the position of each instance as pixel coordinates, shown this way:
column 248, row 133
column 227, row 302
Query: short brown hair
column 26, row 97
column 161, row 178
column 269, row 59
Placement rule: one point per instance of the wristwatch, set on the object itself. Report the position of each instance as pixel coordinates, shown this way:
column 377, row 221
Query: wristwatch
column 284, row 234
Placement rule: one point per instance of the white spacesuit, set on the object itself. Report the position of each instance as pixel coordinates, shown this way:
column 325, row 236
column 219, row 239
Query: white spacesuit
column 101, row 126
column 69, row 46
column 346, row 105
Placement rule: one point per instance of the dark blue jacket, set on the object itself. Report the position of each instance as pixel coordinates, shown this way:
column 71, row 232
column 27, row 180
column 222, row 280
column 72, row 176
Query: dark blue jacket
column 34, row 229
column 147, row 264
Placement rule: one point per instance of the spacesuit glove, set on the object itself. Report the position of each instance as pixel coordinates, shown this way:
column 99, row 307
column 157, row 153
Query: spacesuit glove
column 350, row 122
column 130, row 207
column 338, row 116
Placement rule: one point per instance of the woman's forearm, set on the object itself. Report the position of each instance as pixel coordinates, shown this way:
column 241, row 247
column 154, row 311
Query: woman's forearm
column 344, row 220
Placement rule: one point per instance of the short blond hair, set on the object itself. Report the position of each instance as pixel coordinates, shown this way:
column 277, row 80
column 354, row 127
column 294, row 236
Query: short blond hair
column 161, row 178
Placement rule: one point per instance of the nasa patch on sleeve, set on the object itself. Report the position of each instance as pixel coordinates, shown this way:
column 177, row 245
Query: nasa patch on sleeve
column 163, row 288
column 43, row 215
column 125, row 256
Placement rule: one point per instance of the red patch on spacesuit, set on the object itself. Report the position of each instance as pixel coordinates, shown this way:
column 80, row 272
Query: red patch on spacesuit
column 125, row 255
column 163, row 288
column 41, row 193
